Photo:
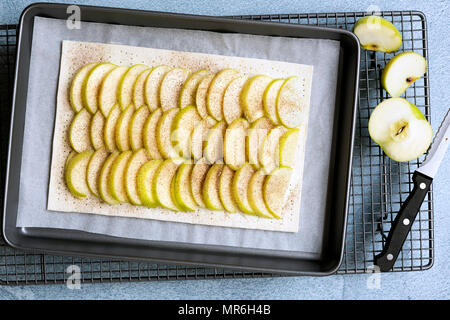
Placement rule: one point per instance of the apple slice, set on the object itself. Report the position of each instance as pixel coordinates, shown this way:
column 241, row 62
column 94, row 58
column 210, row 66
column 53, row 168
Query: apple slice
column 103, row 179
column 231, row 100
column 182, row 187
column 171, row 86
column 214, row 143
column 270, row 99
column 75, row 174
column 225, row 190
column 198, row 175
column 269, row 152
column 210, row 188
column 94, row 166
column 91, row 86
column 137, row 127
column 274, row 190
column 72, row 154
column 216, row 90
column 145, row 177
column 199, row 136
column 149, row 134
column 189, row 90
column 97, row 129
column 234, row 143
column 152, row 86
column 255, row 194
column 75, row 96
column 123, row 126
column 79, row 131
column 257, row 132
column 162, row 184
column 240, row 185
column 402, row 71
column 200, row 96
column 377, row 34
column 182, row 127
column 116, row 181
column 126, row 85
column 136, row 161
column 400, row 129
column 163, row 134
column 109, row 90
column 290, row 102
column 139, row 88
column 252, row 96
column 109, row 136
column 288, row 147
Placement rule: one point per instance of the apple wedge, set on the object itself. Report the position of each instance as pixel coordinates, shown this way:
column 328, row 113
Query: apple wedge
column 199, row 135
column 216, row 90
column 104, row 177
column 94, row 166
column 239, row 187
column 109, row 90
column 171, row 86
column 72, row 154
column 136, row 161
column 270, row 99
column 257, row 132
column 96, row 130
column 137, row 127
column 182, row 187
column 109, row 136
column 234, row 143
column 252, row 96
column 274, row 190
column 162, row 184
column 139, row 88
column 75, row 96
column 400, row 129
column 200, row 96
column 79, row 131
column 198, row 175
column 255, row 194
column 290, row 102
column 401, row 71
column 116, row 181
column 163, row 134
column 122, row 130
column 269, row 152
column 232, row 109
column 377, row 34
column 213, row 150
column 75, row 174
column 149, row 134
column 126, row 85
column 182, row 127
column 91, row 86
column 225, row 190
column 145, row 177
column 189, row 90
column 288, row 147
column 153, row 84
column 210, row 188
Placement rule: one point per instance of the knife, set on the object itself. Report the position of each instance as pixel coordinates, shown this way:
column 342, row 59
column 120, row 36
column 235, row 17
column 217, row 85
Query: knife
column 422, row 179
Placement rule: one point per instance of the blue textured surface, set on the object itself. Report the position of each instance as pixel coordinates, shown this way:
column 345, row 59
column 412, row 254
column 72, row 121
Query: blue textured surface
column 431, row 284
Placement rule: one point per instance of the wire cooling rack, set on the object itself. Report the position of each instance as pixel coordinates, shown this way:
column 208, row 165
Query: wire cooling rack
column 378, row 185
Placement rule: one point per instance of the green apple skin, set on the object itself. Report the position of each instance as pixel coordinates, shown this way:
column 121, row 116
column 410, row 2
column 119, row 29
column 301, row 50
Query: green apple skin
column 377, row 34
column 400, row 129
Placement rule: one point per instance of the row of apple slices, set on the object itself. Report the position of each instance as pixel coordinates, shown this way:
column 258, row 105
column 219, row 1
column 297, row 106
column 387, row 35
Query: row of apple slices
column 176, row 184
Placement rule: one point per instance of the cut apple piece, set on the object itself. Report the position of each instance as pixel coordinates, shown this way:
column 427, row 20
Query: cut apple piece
column 400, row 129
column 270, row 99
column 290, row 102
column 163, row 134
column 225, row 190
column 109, row 135
column 126, row 85
column 255, row 194
column 72, row 154
column 210, row 188
column 109, row 90
column 92, row 83
column 171, row 86
column 139, row 88
column 257, row 132
column 137, row 127
column 252, row 97
column 199, row 136
column 240, row 185
column 75, row 174
column 377, row 34
column 145, row 177
column 288, row 147
column 162, row 184
column 182, row 187
column 149, row 134
column 214, row 143
column 269, row 152
column 79, row 131
column 95, row 164
column 75, row 95
column 123, row 126
column 152, row 86
column 231, row 100
column 234, row 143
column 189, row 90
column 198, row 175
column 136, row 161
column 116, row 181
column 97, row 129
column 216, row 90
column 274, row 190
column 182, row 127
column 401, row 71
column 103, row 188
column 200, row 96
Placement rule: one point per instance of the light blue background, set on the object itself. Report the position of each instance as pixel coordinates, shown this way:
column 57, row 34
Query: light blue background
column 431, row 284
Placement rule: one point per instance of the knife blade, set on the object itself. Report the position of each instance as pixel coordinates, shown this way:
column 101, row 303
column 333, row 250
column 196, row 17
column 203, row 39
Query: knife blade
column 422, row 178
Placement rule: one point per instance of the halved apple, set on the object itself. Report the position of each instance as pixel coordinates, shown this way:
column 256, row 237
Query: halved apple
column 234, row 143
column 255, row 194
column 401, row 71
column 109, row 136
column 274, row 190
column 198, row 175
column 232, row 109
column 200, row 96
column 152, row 86
column 122, row 130
column 126, row 85
column 163, row 134
column 210, row 188
column 400, row 129
column 79, row 131
column 214, row 143
column 162, row 184
column 189, row 90
column 171, row 86
column 199, row 136
column 288, row 147
column 75, row 96
column 96, row 130
column 137, row 127
column 182, row 127
column 91, row 86
column 139, row 88
column 145, row 177
column 239, row 188
column 94, row 167
column 252, row 96
column 182, row 187
column 149, row 134
column 216, row 90
column 75, row 174
column 109, row 90
column 103, row 180
column 377, row 34
column 257, row 132
column 136, row 161
column 116, row 181
column 225, row 190
column 269, row 152
column 270, row 99
column 290, row 102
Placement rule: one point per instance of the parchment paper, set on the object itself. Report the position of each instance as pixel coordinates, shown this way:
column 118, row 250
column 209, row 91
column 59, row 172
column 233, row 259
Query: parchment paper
column 43, row 79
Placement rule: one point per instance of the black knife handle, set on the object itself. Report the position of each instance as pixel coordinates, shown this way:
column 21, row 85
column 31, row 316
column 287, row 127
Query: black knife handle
column 403, row 222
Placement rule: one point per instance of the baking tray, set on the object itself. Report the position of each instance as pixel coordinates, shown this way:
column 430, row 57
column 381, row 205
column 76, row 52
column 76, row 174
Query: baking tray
column 82, row 243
